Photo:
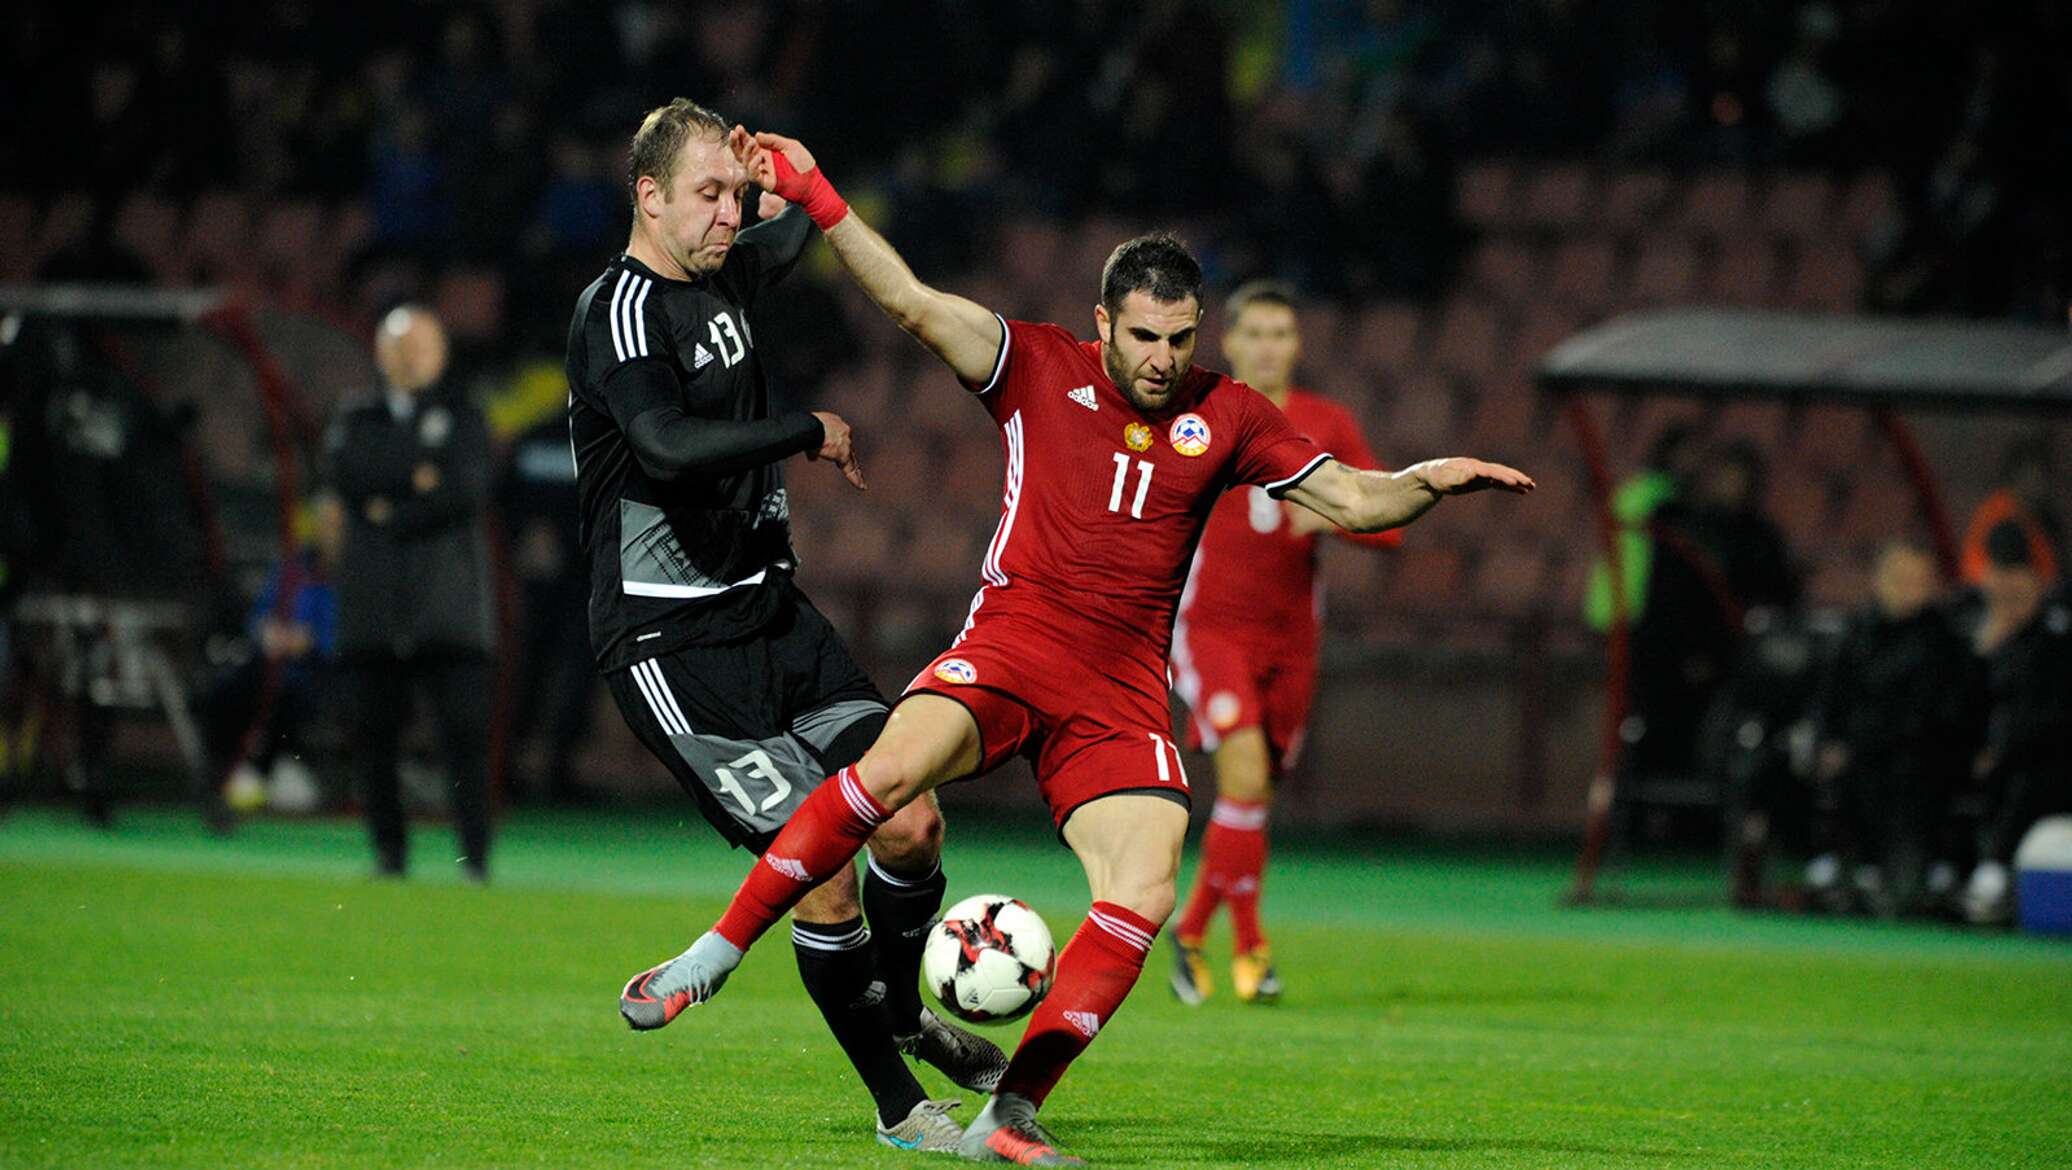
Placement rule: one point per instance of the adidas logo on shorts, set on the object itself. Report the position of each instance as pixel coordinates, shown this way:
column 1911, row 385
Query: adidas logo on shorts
column 1084, row 396
column 790, row 867
column 701, row 358
column 1088, row 1023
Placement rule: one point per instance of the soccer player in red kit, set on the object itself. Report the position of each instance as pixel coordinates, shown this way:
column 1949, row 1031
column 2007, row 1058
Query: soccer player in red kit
column 1245, row 647
column 1116, row 451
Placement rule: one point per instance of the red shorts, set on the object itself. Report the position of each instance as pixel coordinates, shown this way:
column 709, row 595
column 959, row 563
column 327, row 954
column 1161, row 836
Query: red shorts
column 1229, row 684
column 1087, row 732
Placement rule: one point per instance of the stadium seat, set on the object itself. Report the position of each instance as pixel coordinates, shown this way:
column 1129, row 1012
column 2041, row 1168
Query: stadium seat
column 1424, row 577
column 219, row 236
column 1503, row 423
column 1584, row 274
column 150, row 227
column 1799, row 501
column 1666, row 272
column 345, row 233
column 17, row 237
column 1797, row 207
column 1880, row 506
column 1543, row 327
column 288, row 231
column 1557, row 196
column 1633, row 200
column 1828, row 437
column 1717, row 204
column 1744, row 274
column 64, row 221
column 1384, row 338
column 1420, row 416
column 858, row 547
column 1028, row 252
column 1826, row 277
column 1868, row 207
column 1348, row 572
column 471, row 303
column 1484, row 194
column 1470, row 338
column 1506, row 269
column 1837, row 582
column 1758, row 422
column 1508, row 581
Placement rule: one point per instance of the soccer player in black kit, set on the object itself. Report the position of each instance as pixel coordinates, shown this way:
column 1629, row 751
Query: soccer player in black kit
column 720, row 664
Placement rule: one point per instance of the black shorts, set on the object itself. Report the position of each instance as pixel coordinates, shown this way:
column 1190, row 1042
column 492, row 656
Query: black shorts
column 751, row 728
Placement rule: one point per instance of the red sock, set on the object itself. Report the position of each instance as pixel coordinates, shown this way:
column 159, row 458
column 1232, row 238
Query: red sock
column 1095, row 972
column 820, row 838
column 1240, row 828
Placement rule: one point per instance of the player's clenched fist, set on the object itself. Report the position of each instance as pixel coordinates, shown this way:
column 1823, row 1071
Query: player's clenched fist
column 1459, row 476
column 838, row 446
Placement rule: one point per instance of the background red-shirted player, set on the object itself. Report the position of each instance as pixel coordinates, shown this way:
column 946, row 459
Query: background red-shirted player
column 1116, row 453
column 1245, row 646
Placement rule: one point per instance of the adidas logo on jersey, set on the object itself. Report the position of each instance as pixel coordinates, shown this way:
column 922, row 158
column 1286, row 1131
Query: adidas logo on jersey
column 1084, row 396
column 790, row 867
column 1088, row 1023
column 701, row 358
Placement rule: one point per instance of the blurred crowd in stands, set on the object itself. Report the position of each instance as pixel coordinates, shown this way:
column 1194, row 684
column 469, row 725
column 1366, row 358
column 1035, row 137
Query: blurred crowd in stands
column 1310, row 139
column 1457, row 185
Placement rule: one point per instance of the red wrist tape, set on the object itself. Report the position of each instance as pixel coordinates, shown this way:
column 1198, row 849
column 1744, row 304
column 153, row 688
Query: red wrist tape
column 822, row 203
column 811, row 191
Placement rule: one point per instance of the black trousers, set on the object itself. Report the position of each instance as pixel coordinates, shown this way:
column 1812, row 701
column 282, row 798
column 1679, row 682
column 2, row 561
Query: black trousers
column 381, row 691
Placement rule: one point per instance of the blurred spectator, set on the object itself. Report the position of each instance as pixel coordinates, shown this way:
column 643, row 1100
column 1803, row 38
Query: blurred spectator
column 407, row 189
column 410, row 465
column 2025, row 766
column 1891, row 731
column 580, row 205
column 1660, row 483
column 258, row 711
column 2023, row 499
column 1717, row 558
column 538, row 506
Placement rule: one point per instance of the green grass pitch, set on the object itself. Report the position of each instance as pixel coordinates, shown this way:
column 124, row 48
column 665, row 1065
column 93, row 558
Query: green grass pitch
column 169, row 1000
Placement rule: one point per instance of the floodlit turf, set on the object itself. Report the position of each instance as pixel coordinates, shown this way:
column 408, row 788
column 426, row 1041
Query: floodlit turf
column 167, row 999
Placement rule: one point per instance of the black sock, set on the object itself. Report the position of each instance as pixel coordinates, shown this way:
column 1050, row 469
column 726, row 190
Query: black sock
column 839, row 967
column 902, row 909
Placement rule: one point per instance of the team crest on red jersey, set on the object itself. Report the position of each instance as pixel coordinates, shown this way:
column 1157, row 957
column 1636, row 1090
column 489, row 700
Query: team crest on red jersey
column 1190, row 434
column 1137, row 437
column 956, row 671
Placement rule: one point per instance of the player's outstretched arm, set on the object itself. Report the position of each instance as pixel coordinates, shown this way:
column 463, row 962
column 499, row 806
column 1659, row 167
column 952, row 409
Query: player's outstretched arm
column 965, row 335
column 1371, row 501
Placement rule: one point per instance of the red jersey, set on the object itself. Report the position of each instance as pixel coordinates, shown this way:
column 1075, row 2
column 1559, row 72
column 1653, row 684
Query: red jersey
column 1254, row 579
column 1104, row 503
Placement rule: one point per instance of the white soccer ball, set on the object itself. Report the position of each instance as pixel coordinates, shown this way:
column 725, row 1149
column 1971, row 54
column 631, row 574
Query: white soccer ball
column 989, row 960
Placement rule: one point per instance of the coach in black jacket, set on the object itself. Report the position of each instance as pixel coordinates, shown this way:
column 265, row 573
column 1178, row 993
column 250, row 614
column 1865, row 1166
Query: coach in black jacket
column 410, row 466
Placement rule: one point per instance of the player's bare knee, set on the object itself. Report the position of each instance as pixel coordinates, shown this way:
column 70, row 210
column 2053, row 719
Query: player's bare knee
column 1243, row 769
column 912, row 839
column 891, row 776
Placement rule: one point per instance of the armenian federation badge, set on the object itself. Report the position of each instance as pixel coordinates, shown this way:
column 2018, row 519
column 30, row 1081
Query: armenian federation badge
column 1190, row 434
column 1137, row 437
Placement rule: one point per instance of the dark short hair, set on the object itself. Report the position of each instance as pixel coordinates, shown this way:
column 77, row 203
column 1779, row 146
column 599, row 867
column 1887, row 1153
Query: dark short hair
column 661, row 136
column 2007, row 546
column 1259, row 292
column 1157, row 264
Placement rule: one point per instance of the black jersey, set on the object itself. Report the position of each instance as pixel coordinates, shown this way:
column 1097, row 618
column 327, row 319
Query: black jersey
column 684, row 517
